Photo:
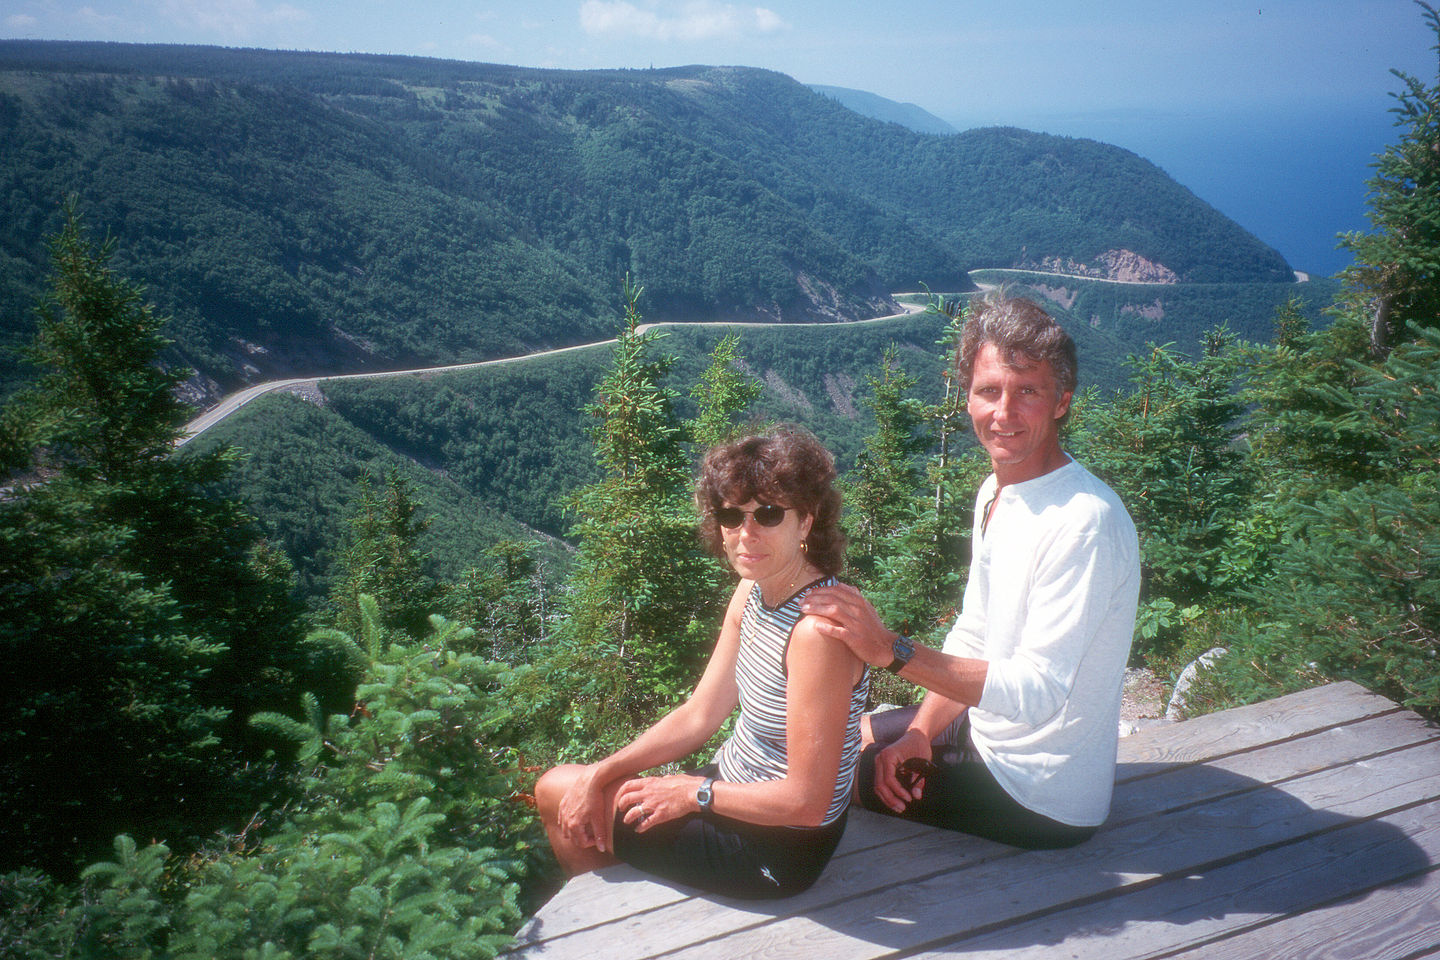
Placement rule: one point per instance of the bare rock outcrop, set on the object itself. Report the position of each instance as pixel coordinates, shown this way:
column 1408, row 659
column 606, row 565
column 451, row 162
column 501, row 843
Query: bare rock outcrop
column 1122, row 266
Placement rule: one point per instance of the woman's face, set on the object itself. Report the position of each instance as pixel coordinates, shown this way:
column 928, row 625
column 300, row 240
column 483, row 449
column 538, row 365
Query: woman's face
column 758, row 552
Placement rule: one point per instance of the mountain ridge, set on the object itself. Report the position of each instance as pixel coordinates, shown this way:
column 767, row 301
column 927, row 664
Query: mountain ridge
column 911, row 116
column 303, row 214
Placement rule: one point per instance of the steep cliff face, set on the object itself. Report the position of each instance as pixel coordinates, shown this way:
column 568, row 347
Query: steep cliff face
column 1122, row 266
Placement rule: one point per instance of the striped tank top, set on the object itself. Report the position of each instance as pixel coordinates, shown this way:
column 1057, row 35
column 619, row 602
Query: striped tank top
column 755, row 752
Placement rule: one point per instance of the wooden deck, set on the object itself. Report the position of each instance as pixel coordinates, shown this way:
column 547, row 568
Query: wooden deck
column 1307, row 826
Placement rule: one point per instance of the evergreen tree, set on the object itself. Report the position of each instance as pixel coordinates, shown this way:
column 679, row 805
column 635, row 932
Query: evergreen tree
column 1346, row 428
column 382, row 559
column 504, row 602
column 1169, row 450
column 880, row 492
column 644, row 599
column 1396, row 273
column 103, row 407
column 723, row 394
column 920, row 561
column 140, row 610
column 408, row 839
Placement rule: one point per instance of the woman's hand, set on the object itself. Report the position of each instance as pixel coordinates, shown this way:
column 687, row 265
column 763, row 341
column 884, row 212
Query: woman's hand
column 892, row 786
column 585, row 816
column 651, row 800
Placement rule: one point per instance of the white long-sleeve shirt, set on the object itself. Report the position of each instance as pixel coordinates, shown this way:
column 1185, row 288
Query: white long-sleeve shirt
column 1050, row 605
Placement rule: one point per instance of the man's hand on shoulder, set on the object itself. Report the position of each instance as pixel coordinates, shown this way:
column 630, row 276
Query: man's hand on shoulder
column 847, row 616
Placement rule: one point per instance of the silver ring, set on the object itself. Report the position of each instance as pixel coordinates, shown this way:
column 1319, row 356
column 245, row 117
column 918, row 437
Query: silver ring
column 643, row 814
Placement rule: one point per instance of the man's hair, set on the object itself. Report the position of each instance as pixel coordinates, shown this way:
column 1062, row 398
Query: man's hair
column 1023, row 335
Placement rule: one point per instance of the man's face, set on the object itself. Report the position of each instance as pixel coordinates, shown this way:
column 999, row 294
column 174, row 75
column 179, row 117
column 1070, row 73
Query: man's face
column 1016, row 413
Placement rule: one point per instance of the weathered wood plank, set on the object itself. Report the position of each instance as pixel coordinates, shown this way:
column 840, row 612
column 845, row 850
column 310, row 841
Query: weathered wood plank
column 913, row 916
column 1402, row 920
column 617, row 893
column 1243, row 728
column 600, row 897
column 1147, row 789
column 1339, row 867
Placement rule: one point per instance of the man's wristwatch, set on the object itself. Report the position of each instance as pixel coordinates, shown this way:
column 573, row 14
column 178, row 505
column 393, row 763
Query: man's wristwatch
column 705, row 795
column 903, row 648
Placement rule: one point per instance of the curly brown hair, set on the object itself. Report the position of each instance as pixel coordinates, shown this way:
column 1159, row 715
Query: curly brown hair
column 785, row 466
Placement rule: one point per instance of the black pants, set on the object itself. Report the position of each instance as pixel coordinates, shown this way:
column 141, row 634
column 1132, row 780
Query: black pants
column 964, row 796
column 730, row 857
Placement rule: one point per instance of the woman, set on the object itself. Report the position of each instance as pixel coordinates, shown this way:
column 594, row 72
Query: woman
column 763, row 819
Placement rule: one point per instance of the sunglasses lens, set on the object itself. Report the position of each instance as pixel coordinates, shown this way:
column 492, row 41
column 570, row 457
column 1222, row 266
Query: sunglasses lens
column 769, row 516
column 766, row 515
column 729, row 516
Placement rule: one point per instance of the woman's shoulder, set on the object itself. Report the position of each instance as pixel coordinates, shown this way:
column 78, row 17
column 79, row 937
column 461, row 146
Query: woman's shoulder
column 741, row 597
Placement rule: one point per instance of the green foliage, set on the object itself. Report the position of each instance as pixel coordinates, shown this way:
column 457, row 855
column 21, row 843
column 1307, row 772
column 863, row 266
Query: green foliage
column 1353, row 593
column 916, row 565
column 375, row 886
column 1286, row 493
column 1168, row 449
column 1396, row 267
column 432, row 721
column 1346, row 427
column 644, row 600
column 143, row 616
column 505, row 602
column 382, row 559
column 406, row 839
column 880, row 491
column 1111, row 321
column 101, row 405
column 723, row 394
column 301, row 471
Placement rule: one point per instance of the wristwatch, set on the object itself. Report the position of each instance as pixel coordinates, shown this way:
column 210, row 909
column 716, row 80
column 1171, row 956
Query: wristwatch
column 903, row 649
column 706, row 794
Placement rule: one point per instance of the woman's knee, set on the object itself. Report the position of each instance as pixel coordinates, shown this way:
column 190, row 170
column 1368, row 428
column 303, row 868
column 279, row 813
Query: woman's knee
column 551, row 788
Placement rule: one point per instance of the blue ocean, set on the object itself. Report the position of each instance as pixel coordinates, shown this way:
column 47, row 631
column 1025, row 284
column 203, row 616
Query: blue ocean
column 1294, row 179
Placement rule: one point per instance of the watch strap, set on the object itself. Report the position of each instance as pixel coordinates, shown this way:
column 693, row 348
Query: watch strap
column 705, row 795
column 903, row 648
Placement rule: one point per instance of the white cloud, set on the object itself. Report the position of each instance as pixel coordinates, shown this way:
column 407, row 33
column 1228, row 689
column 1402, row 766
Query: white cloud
column 20, row 21
column 768, row 20
column 484, row 41
column 231, row 18
column 90, row 17
column 696, row 20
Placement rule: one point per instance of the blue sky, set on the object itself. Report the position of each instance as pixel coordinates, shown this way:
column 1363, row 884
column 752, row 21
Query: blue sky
column 1268, row 110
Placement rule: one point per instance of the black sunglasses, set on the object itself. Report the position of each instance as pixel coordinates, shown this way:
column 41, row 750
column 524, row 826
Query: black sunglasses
column 767, row 515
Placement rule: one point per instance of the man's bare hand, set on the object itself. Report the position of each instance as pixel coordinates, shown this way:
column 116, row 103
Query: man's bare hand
column 846, row 615
column 900, row 770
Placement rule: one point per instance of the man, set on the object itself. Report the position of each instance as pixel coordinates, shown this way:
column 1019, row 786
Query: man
column 1016, row 738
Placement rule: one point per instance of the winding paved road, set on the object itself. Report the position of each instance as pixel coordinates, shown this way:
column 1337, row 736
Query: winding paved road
column 235, row 401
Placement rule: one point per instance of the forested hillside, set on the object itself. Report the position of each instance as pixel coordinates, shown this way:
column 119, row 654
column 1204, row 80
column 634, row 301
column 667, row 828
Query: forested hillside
column 325, row 213
column 512, row 437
